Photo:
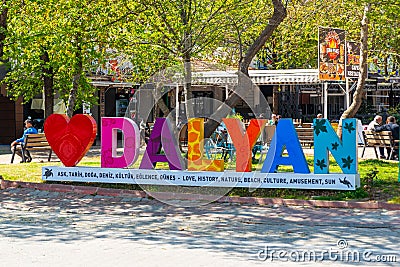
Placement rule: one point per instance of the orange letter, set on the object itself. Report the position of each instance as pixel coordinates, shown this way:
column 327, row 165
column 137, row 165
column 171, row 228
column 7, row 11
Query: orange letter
column 196, row 149
column 244, row 140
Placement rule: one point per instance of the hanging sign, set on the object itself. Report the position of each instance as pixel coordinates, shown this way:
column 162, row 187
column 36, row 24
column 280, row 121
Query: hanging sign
column 352, row 59
column 331, row 54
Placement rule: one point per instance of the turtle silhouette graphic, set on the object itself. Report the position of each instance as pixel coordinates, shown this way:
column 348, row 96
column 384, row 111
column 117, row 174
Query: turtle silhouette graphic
column 48, row 173
column 345, row 182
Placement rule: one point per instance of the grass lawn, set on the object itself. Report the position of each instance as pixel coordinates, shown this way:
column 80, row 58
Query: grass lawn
column 384, row 186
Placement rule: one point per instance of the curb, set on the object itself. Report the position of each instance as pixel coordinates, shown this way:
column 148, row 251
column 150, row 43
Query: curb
column 92, row 190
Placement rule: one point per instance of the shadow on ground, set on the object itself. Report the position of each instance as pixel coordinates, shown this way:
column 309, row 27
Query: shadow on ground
column 234, row 229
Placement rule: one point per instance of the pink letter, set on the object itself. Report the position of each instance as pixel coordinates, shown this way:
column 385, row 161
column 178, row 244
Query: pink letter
column 131, row 136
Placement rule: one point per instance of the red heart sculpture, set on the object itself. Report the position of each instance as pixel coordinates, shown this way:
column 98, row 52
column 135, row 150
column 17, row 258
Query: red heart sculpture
column 70, row 139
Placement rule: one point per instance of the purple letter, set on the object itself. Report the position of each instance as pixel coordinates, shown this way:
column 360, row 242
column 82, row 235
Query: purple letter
column 162, row 136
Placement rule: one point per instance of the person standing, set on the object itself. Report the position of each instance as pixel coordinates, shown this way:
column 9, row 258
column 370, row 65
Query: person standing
column 142, row 128
column 273, row 120
column 376, row 122
column 29, row 129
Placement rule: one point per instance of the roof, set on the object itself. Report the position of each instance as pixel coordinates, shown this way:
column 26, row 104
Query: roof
column 259, row 77
column 111, row 84
column 298, row 76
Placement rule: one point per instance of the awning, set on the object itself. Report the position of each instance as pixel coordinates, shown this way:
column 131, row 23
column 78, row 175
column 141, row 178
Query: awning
column 112, row 84
column 260, row 77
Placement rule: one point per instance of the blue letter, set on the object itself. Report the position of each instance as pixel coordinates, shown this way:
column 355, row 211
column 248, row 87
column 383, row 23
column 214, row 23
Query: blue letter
column 344, row 152
column 285, row 137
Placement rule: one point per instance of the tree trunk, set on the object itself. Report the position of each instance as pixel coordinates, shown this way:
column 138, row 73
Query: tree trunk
column 75, row 80
column 186, row 49
column 275, row 99
column 187, row 71
column 3, row 28
column 187, row 86
column 48, row 83
column 359, row 93
column 72, row 95
column 161, row 104
column 277, row 17
column 244, row 84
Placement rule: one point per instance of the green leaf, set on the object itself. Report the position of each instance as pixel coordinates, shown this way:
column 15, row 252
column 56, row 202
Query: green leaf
column 347, row 162
column 349, row 127
column 319, row 126
column 321, row 163
column 335, row 146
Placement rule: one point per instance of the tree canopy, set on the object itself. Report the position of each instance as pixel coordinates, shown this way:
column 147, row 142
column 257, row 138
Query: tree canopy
column 68, row 40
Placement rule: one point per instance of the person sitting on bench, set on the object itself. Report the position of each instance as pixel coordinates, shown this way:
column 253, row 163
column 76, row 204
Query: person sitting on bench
column 371, row 127
column 393, row 127
column 29, row 130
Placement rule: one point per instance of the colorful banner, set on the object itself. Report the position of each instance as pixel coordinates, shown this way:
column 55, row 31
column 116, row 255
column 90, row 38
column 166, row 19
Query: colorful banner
column 331, row 54
column 352, row 59
column 335, row 181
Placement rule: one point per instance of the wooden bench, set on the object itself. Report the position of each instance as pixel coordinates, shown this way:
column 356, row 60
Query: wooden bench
column 380, row 139
column 306, row 136
column 33, row 142
column 306, row 125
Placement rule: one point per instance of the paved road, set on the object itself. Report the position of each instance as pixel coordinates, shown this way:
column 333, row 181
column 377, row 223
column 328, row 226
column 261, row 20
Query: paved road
column 40, row 228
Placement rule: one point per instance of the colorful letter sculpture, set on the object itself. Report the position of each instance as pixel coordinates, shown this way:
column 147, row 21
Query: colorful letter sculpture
column 344, row 152
column 69, row 138
column 196, row 162
column 285, row 137
column 131, row 135
column 162, row 137
column 244, row 140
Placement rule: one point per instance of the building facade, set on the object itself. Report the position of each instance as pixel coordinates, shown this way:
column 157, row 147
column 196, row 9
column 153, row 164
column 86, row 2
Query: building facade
column 296, row 93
